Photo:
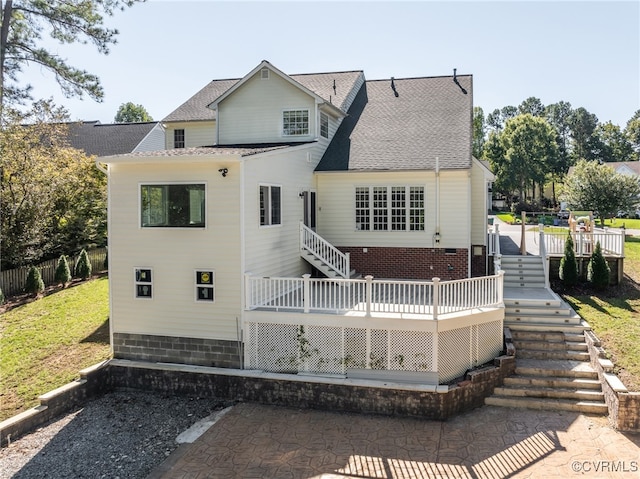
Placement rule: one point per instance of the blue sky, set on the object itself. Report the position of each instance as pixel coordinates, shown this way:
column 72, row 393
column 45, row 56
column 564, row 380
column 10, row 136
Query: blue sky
column 583, row 52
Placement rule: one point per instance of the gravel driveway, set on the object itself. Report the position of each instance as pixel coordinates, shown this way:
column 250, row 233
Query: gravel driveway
column 123, row 434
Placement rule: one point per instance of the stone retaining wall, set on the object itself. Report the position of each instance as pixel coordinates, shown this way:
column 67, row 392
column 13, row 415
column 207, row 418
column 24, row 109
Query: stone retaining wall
column 624, row 406
column 314, row 392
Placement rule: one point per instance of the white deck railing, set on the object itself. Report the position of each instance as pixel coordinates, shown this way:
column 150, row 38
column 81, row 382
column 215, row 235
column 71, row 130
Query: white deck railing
column 323, row 250
column 611, row 242
column 369, row 296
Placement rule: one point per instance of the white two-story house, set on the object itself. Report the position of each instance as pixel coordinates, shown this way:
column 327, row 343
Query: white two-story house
column 283, row 176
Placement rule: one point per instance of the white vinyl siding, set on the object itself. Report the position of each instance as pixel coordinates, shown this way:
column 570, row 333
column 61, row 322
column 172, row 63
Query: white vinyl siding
column 479, row 204
column 275, row 251
column 338, row 217
column 197, row 133
column 254, row 112
column 174, row 254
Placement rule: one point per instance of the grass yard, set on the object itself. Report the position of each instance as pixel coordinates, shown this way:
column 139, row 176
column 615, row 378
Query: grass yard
column 45, row 343
column 614, row 315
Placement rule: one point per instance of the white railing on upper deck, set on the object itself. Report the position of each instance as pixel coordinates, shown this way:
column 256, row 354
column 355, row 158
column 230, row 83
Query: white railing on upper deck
column 323, row 250
column 369, row 296
column 611, row 242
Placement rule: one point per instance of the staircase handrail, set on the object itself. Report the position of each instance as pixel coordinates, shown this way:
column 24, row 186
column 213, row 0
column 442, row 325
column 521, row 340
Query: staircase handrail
column 323, row 250
column 543, row 255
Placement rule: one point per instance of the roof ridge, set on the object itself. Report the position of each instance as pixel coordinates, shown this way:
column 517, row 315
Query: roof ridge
column 420, row 77
column 325, row 73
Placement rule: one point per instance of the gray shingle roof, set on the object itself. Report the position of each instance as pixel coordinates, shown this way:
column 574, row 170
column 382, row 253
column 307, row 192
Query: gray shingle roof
column 214, row 150
column 108, row 139
column 195, row 108
column 430, row 117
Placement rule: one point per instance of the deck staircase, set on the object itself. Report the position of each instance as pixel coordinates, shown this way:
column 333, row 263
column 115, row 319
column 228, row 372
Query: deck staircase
column 529, row 303
column 553, row 370
column 323, row 256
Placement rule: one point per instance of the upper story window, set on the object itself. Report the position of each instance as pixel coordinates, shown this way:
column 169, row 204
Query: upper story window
column 178, row 138
column 389, row 208
column 172, row 206
column 324, row 125
column 270, row 205
column 295, row 122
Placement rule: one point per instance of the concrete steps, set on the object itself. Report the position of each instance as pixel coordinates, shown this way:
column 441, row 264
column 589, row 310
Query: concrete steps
column 523, row 271
column 552, row 372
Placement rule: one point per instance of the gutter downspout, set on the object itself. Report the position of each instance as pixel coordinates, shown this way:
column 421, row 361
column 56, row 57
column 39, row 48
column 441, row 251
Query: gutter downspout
column 436, row 236
column 110, row 276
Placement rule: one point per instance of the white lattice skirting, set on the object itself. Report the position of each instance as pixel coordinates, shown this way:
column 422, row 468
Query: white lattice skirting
column 334, row 350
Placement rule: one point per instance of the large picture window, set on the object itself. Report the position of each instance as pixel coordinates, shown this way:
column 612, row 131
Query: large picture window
column 173, row 206
column 295, row 122
column 389, row 208
column 270, row 205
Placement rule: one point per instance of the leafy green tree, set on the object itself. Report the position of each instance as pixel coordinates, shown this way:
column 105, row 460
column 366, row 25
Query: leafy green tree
column 131, row 113
column 568, row 265
column 63, row 273
column 524, row 151
column 613, row 144
column 531, row 105
column 632, row 130
column 497, row 118
column 23, row 23
column 583, row 141
column 83, row 265
column 478, row 131
column 558, row 116
column 34, row 284
column 52, row 198
column 598, row 270
column 597, row 187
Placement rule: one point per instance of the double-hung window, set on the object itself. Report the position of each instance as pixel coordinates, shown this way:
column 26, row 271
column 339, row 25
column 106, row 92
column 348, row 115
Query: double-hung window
column 389, row 208
column 295, row 122
column 178, row 138
column 270, row 205
column 173, row 205
column 324, row 125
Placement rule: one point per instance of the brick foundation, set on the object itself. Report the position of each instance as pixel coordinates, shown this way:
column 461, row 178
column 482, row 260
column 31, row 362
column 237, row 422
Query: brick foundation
column 478, row 262
column 170, row 349
column 409, row 263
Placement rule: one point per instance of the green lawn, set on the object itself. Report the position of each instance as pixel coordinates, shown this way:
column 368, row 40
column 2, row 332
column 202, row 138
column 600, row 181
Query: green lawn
column 614, row 315
column 45, row 343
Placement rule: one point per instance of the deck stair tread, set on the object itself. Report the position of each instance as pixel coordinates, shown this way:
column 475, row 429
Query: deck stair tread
column 588, row 407
column 552, row 372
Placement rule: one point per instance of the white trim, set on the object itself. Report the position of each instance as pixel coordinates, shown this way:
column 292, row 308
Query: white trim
column 169, row 183
column 196, row 285
column 269, row 206
column 136, row 283
column 291, row 135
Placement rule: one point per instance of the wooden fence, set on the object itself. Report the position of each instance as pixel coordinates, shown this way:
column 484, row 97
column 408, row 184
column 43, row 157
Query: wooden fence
column 12, row 281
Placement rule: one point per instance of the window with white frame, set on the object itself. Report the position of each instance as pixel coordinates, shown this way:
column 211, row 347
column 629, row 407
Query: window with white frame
column 205, row 285
column 178, row 138
column 295, row 122
column 363, row 214
column 324, row 125
column 389, row 208
column 172, row 205
column 143, row 283
column 270, row 205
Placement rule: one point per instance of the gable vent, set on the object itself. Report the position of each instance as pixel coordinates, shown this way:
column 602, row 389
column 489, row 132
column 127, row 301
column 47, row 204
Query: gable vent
column 264, row 73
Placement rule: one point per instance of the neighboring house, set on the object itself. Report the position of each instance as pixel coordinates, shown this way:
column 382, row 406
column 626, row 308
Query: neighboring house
column 377, row 174
column 98, row 139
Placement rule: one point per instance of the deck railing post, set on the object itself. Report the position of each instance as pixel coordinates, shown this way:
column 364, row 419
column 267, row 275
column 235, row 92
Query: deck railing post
column 247, row 291
column 496, row 238
column 348, row 265
column 436, row 297
column 500, row 287
column 306, row 292
column 368, row 294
